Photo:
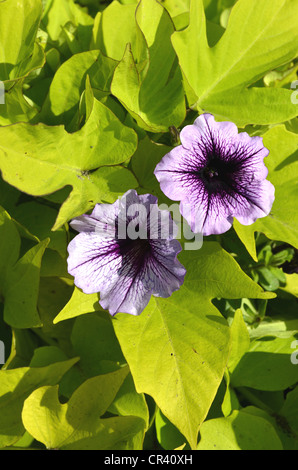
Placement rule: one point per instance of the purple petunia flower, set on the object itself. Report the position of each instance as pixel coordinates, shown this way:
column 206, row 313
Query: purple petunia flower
column 127, row 252
column 217, row 174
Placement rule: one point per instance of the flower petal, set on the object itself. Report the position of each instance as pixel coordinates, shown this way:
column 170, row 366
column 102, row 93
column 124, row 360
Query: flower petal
column 256, row 203
column 207, row 214
column 159, row 275
column 252, row 153
column 169, row 272
column 129, row 293
column 126, row 270
column 93, row 261
column 173, row 172
column 102, row 220
column 217, row 174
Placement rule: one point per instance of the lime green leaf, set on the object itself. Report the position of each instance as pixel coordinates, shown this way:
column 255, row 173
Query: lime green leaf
column 93, row 339
column 290, row 409
column 259, row 37
column 130, row 403
column 69, row 82
column 44, row 159
column 23, row 343
column 19, row 280
column 53, row 264
column 247, row 236
column 230, row 400
column 15, row 386
column 252, row 106
column 291, row 284
column 9, row 244
column 143, row 163
column 167, row 435
column 239, row 345
column 16, row 108
column 88, row 98
column 173, row 337
column 280, row 78
column 77, row 424
column 176, row 8
column 164, row 345
column 267, row 364
column 239, row 431
column 46, row 355
column 21, row 289
column 22, row 55
column 79, row 304
column 211, row 272
column 25, row 442
column 282, row 223
column 148, row 83
column 8, row 195
column 54, row 293
column 114, row 16
column 104, row 185
column 239, row 340
column 59, row 12
column 39, row 219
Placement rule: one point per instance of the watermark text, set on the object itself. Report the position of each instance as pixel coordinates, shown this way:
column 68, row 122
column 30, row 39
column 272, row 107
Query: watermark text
column 2, row 93
column 294, row 95
column 2, row 352
column 294, row 355
column 135, row 220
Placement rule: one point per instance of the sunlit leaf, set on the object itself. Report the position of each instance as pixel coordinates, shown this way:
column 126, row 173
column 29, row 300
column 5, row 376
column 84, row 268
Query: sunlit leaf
column 44, row 159
column 259, row 37
column 77, row 424
column 148, row 83
column 174, row 337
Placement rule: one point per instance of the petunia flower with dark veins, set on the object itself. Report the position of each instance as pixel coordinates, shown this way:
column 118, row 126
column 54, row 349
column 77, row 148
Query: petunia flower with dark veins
column 127, row 252
column 217, row 174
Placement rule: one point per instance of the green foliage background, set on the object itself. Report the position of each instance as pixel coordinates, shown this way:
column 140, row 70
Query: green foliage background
column 93, row 93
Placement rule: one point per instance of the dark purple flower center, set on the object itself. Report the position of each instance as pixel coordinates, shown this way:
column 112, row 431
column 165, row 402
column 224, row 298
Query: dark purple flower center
column 209, row 173
column 141, row 246
column 138, row 248
column 219, row 174
column 134, row 253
